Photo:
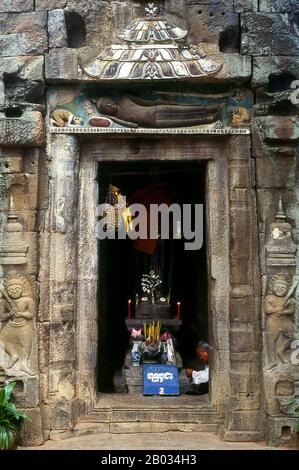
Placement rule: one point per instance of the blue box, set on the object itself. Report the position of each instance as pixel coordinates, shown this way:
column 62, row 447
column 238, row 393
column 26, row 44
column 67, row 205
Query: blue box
column 159, row 379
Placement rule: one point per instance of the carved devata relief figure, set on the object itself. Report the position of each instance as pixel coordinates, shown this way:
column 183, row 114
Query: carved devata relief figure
column 16, row 333
column 279, row 310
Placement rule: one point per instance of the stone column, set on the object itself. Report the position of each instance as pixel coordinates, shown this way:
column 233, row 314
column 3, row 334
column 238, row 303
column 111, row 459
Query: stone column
column 58, row 274
column 87, row 326
column 218, row 256
column 243, row 420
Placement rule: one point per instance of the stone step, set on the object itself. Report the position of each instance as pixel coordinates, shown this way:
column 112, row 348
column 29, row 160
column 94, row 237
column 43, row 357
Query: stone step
column 134, row 428
column 150, row 421
column 90, row 428
column 86, row 428
column 116, row 416
column 166, row 416
column 125, row 413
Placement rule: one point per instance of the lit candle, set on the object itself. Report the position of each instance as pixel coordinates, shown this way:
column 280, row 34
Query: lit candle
column 179, row 310
column 129, row 309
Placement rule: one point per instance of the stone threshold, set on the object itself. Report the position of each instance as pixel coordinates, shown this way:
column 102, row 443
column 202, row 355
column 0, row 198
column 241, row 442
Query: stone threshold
column 167, row 131
column 138, row 401
column 125, row 414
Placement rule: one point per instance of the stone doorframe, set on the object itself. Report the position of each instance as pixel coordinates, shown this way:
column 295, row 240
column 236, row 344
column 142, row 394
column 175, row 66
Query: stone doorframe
column 69, row 276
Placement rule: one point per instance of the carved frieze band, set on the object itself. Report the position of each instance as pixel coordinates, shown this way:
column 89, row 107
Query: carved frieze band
column 171, row 131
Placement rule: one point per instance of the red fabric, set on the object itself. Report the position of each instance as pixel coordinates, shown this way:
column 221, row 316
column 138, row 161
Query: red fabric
column 158, row 193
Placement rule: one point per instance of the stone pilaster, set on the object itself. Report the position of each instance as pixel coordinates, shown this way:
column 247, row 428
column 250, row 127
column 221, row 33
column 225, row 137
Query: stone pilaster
column 280, row 333
column 218, row 274
column 58, row 274
column 243, row 420
column 87, row 307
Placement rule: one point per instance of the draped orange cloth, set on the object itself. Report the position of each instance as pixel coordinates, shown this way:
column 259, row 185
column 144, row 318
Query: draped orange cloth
column 158, row 193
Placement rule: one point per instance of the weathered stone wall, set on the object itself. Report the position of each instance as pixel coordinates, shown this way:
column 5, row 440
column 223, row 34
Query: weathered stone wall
column 23, row 41
column 41, row 43
column 271, row 37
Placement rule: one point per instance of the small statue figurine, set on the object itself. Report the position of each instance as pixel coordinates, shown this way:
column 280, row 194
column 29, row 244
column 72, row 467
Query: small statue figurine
column 64, row 118
column 279, row 310
column 16, row 334
column 240, row 116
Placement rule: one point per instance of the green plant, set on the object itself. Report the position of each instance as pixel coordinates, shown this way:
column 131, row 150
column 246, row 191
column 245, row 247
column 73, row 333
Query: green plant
column 10, row 418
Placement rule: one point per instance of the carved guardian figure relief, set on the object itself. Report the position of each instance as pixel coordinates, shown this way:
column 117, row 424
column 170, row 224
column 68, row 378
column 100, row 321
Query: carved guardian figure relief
column 16, row 333
column 279, row 310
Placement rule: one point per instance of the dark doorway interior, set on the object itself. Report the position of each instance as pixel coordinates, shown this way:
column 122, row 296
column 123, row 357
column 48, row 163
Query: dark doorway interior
column 121, row 265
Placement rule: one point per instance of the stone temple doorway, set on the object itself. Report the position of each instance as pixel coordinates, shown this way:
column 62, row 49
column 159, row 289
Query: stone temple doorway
column 182, row 303
column 124, row 96
column 232, row 275
column 203, row 161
